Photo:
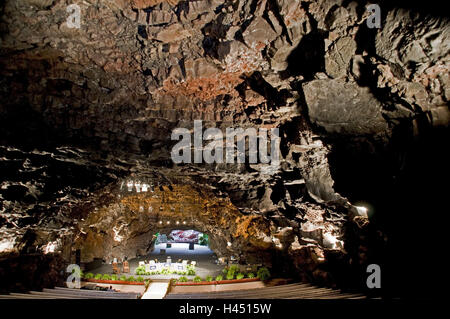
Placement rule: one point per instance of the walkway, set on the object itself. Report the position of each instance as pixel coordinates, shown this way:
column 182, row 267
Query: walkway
column 156, row 290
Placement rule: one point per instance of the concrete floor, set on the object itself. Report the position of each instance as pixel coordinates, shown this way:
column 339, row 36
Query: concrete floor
column 204, row 257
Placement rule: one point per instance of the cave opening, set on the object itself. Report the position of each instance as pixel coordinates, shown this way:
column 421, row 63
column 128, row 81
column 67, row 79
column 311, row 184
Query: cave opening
column 168, row 226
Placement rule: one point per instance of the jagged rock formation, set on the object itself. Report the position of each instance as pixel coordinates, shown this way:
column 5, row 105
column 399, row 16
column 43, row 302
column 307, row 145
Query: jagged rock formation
column 135, row 70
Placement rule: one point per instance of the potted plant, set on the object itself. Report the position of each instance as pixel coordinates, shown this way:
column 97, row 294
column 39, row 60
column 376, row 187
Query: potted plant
column 89, row 275
column 197, row 279
column 106, row 277
column 263, row 273
column 182, row 279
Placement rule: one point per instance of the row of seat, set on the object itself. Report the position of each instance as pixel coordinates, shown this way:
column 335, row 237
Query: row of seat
column 67, row 293
column 289, row 291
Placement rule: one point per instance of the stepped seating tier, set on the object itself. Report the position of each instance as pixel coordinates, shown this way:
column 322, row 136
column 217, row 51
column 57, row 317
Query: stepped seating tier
column 68, row 293
column 289, row 291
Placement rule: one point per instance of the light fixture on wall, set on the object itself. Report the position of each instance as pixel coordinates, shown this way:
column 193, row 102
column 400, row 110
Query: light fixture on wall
column 160, row 222
column 178, row 222
column 168, row 222
column 362, row 211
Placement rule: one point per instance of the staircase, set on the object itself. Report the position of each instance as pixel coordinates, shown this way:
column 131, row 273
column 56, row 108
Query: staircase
column 157, row 290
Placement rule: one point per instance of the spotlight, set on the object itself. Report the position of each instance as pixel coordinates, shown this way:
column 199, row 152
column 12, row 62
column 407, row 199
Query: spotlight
column 178, row 222
column 229, row 244
column 184, row 223
column 362, row 211
column 160, row 221
column 168, row 222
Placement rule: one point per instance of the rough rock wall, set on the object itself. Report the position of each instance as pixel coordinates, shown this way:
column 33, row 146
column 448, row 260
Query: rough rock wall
column 137, row 69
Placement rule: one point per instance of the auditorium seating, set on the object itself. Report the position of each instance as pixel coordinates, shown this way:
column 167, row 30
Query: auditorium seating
column 67, row 293
column 290, row 291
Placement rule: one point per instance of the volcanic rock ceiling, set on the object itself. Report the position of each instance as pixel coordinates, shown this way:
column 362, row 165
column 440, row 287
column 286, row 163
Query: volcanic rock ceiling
column 86, row 111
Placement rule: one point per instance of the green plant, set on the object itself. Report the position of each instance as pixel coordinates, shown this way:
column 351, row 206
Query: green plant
column 250, row 275
column 230, row 276
column 240, row 276
column 89, row 275
column 98, row 276
column 123, row 278
column 190, row 270
column 130, row 279
column 234, row 269
column 106, row 277
column 263, row 273
column 140, row 270
column 197, row 279
column 203, row 240
column 140, row 279
column 219, row 278
column 114, row 277
column 182, row 279
column 209, row 278
column 225, row 271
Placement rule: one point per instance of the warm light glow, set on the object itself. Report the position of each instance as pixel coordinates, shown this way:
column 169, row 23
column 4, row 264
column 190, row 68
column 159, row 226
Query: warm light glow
column 117, row 237
column 160, row 221
column 6, row 245
column 50, row 247
column 178, row 222
column 229, row 244
column 168, row 222
column 331, row 241
column 362, row 211
column 184, row 223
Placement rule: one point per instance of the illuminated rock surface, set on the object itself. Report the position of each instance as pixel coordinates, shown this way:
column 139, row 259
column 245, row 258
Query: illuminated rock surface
column 85, row 110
